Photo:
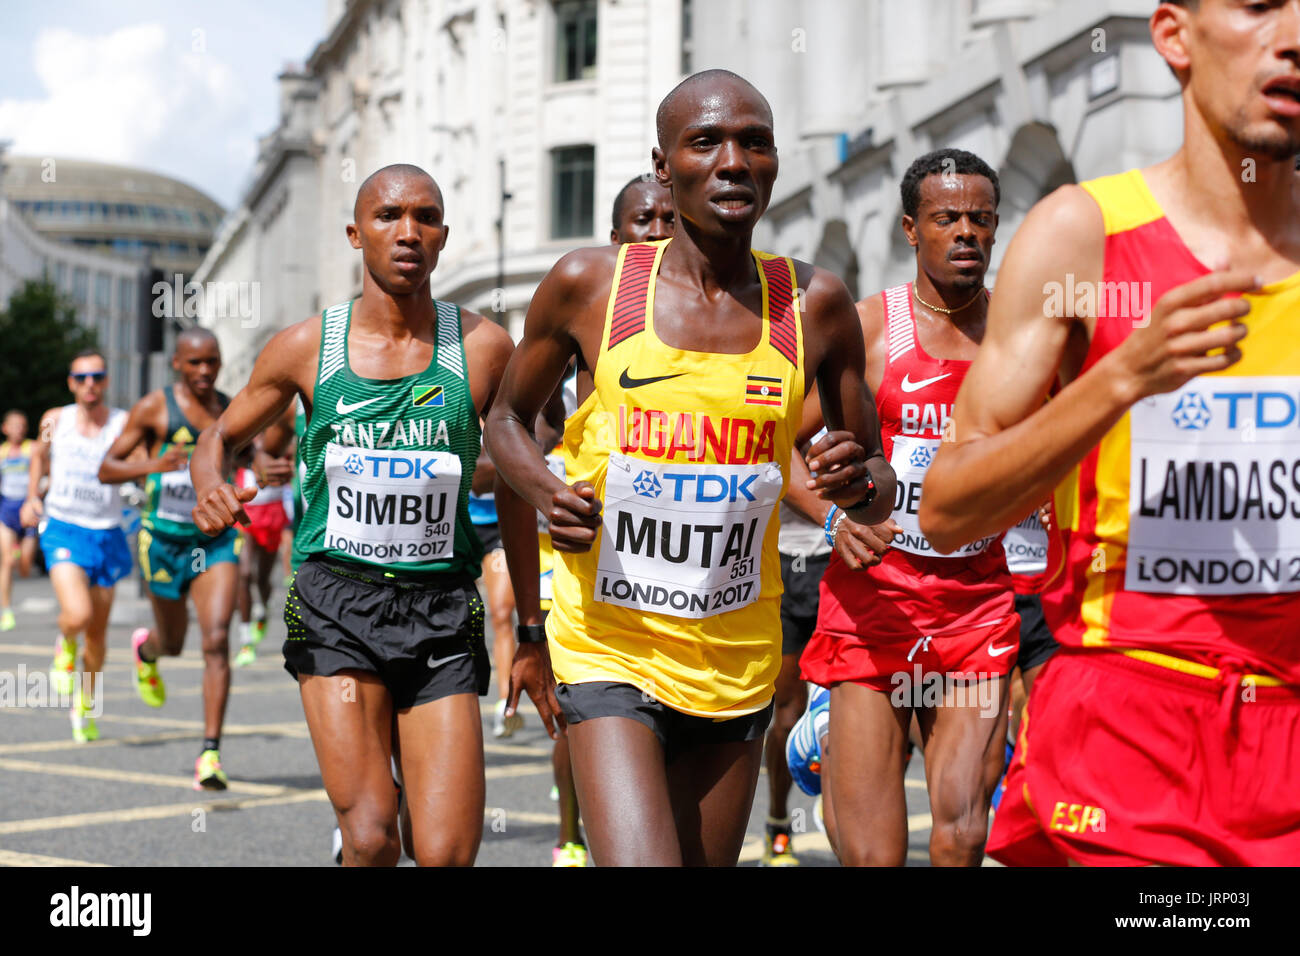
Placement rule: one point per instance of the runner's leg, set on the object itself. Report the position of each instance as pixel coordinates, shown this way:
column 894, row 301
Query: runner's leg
column 501, row 607
column 570, row 824
column 214, row 600
column 8, row 543
column 791, row 699
column 712, row 788
column 92, row 659
column 350, row 717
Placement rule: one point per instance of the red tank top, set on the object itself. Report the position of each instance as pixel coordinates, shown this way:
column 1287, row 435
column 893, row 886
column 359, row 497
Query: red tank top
column 915, row 588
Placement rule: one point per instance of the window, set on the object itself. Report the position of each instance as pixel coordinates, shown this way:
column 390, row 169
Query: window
column 575, row 40
column 573, row 187
column 80, row 285
column 124, row 297
column 103, row 291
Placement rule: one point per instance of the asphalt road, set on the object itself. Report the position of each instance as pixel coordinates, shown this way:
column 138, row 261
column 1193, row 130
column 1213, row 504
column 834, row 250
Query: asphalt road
column 127, row 799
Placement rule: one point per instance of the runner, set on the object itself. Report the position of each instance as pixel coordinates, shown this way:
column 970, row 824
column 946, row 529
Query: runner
column 176, row 559
column 496, row 588
column 668, row 691
column 261, row 549
column 1178, row 677
column 643, row 212
column 385, row 623
column 15, row 540
column 921, row 633
column 81, row 535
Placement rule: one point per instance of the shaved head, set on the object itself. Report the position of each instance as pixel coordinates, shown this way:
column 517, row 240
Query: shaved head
column 195, row 336
column 398, row 172
column 684, row 101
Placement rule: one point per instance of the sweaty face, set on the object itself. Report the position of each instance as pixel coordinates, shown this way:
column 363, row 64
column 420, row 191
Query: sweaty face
column 953, row 230
column 88, row 380
column 647, row 215
column 198, row 363
column 1245, row 72
column 721, row 157
column 399, row 230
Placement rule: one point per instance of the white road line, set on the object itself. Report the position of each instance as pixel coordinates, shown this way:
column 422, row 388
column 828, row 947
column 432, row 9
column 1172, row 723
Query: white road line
column 13, row 858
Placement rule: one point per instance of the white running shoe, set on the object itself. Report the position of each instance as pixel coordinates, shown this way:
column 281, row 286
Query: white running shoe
column 503, row 726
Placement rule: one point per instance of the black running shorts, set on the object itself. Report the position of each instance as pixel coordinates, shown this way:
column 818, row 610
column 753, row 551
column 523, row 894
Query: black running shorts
column 423, row 637
column 1036, row 642
column 677, row 732
column 799, row 602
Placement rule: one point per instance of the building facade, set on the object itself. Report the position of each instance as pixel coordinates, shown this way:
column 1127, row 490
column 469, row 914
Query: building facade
column 533, row 113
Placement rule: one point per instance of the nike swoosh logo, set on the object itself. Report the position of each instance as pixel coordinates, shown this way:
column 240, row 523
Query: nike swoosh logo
column 444, row 660
column 343, row 408
column 999, row 651
column 627, row 381
column 909, row 386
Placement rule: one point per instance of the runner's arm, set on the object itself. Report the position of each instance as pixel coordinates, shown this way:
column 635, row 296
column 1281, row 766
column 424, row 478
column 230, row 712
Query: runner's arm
column 270, row 390
column 842, row 461
column 121, row 464
column 536, row 367
column 1006, row 450
column 33, row 508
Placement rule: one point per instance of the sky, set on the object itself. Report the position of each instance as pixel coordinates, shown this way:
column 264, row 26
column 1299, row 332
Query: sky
column 182, row 88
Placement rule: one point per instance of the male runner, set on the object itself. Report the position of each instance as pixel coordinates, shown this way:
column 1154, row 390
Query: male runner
column 15, row 466
column 1165, row 729
column 921, row 632
column 665, row 624
column 176, row 558
column 643, row 212
column 496, row 588
column 261, row 551
column 385, row 626
column 80, row 527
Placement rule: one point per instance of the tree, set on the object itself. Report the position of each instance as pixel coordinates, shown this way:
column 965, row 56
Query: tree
column 39, row 334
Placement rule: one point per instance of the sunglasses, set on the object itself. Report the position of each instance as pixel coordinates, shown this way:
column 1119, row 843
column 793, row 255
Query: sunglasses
column 82, row 378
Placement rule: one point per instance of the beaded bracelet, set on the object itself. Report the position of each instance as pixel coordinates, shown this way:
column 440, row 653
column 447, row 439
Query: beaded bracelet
column 826, row 525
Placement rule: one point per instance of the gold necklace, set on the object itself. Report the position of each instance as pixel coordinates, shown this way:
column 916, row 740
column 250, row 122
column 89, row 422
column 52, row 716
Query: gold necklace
column 939, row 308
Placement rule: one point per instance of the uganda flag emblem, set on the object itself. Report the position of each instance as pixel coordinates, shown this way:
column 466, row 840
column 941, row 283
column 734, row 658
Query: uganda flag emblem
column 426, row 395
column 762, row 390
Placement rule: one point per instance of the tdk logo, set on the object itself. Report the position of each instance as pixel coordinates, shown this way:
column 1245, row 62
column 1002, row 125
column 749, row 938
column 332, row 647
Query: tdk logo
column 647, row 485
column 1191, row 412
column 921, row 457
column 1263, row 409
column 391, row 466
column 711, row 488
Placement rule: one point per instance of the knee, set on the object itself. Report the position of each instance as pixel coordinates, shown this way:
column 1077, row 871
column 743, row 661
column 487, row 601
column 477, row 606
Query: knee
column 854, row 850
column 369, row 840
column 447, row 850
column 784, row 717
column 216, row 640
column 964, row 836
column 74, row 620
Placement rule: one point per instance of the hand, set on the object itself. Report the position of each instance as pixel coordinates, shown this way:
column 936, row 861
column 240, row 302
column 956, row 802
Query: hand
column 531, row 671
column 1045, row 514
column 839, row 468
column 862, row 546
column 221, row 507
column 574, row 517
column 31, row 513
column 1173, row 347
column 173, row 459
column 271, row 470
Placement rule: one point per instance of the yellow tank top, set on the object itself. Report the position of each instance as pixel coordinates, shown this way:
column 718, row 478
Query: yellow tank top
column 689, row 452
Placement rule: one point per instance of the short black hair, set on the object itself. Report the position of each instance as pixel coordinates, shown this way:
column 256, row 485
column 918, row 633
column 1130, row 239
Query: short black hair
column 88, row 353
column 953, row 162
column 621, row 198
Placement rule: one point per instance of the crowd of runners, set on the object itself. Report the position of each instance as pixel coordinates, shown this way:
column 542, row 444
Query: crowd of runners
column 1044, row 540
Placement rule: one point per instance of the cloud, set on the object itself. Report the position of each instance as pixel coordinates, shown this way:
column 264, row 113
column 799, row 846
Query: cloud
column 135, row 96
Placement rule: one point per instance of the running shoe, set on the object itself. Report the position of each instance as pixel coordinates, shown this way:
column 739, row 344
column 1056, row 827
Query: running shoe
column 64, row 666
column 503, row 726
column 571, row 854
column 247, row 655
column 555, row 794
column 336, row 846
column 147, row 679
column 818, row 818
column 84, row 728
column 208, row 774
column 7, row 622
column 777, row 849
column 803, row 748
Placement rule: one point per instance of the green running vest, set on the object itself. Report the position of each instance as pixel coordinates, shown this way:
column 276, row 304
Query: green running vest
column 171, row 495
column 389, row 462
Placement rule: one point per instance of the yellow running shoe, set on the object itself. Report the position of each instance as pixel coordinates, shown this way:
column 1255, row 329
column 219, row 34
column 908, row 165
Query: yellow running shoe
column 247, row 655
column 84, row 728
column 208, row 774
column 64, row 666
column 7, row 622
column 147, row 679
column 777, row 850
column 570, row 855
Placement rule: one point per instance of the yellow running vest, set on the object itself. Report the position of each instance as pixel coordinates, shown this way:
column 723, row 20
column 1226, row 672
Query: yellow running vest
column 689, row 452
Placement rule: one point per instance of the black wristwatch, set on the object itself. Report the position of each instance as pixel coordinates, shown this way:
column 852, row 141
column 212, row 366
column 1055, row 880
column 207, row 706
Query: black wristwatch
column 866, row 501
column 530, row 633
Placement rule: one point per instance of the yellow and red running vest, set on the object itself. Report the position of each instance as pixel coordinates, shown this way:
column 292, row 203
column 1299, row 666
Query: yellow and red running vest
column 1181, row 529
column 689, row 452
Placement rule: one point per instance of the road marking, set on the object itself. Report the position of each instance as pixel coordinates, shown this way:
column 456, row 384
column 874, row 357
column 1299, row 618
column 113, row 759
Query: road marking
column 294, row 728
column 517, row 770
column 13, row 858
column 133, row 776
column 136, row 814
column 523, row 816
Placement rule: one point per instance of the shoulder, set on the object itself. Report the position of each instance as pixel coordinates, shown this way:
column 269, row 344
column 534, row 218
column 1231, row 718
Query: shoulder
column 1070, row 213
column 825, row 298
column 151, row 403
column 871, row 314
column 292, row 346
column 50, row 419
column 584, row 272
column 481, row 334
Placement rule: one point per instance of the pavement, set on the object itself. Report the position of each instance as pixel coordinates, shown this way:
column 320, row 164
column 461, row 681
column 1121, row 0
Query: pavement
column 127, row 799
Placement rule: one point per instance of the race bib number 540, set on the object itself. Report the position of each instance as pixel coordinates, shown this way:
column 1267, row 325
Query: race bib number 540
column 391, row 507
column 684, row 540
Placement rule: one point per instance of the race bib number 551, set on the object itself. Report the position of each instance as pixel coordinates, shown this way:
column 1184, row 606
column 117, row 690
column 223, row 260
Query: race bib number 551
column 391, row 507
column 684, row 540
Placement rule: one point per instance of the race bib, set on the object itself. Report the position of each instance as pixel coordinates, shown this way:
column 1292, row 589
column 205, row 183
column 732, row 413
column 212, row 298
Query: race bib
column 1026, row 547
column 684, row 540
column 391, row 507
column 176, row 496
column 911, row 457
column 1214, row 488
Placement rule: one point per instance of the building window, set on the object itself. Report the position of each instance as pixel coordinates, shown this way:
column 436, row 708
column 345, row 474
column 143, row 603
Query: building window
column 124, row 296
column 573, row 187
column 80, row 285
column 575, row 40
column 688, row 44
